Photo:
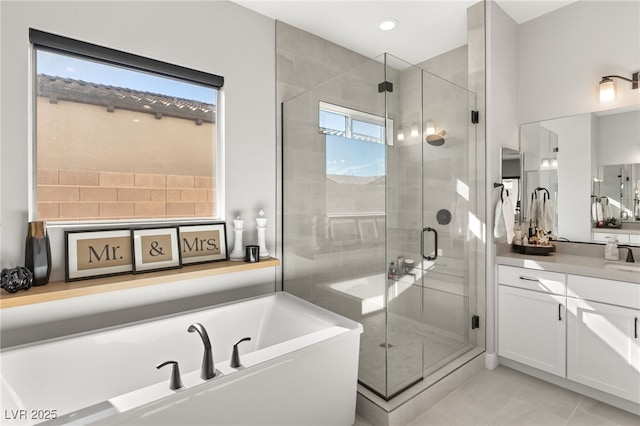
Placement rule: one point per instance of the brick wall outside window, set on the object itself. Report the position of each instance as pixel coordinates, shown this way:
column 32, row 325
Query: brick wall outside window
column 86, row 195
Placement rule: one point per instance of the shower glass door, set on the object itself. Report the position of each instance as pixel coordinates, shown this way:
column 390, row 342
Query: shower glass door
column 448, row 158
column 404, row 302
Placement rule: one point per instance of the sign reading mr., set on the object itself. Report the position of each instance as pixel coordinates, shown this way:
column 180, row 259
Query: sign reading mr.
column 103, row 252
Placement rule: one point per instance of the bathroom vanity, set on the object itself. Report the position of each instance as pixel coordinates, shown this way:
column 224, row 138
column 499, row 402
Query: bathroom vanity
column 573, row 320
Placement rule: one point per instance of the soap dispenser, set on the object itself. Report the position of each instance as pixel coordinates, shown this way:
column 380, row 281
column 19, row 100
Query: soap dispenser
column 611, row 249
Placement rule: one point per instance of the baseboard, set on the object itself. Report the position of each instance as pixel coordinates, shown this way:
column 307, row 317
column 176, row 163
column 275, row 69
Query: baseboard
column 491, row 361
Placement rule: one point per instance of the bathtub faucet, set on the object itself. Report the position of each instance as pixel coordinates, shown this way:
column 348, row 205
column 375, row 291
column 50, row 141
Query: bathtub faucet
column 208, row 370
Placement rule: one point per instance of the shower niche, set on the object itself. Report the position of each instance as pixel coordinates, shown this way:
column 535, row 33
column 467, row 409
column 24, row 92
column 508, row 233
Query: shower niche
column 380, row 214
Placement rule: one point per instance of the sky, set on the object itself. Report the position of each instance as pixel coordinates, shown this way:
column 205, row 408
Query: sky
column 350, row 157
column 94, row 72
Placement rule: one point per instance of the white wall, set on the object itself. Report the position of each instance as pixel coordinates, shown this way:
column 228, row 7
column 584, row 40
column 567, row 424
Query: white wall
column 563, row 55
column 502, row 131
column 219, row 37
column 618, row 140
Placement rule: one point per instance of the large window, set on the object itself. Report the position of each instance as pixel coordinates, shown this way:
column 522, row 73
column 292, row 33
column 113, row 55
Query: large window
column 118, row 136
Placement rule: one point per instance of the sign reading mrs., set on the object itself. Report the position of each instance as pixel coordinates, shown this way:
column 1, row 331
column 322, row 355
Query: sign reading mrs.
column 202, row 243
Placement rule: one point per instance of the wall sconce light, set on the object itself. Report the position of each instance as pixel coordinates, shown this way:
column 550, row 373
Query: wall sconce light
column 414, row 131
column 545, row 163
column 607, row 86
column 400, row 134
column 430, row 128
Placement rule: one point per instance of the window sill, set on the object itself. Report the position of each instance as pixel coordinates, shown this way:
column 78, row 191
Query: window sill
column 60, row 290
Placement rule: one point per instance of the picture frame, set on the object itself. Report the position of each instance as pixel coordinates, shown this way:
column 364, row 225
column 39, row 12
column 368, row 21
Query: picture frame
column 97, row 253
column 155, row 249
column 203, row 242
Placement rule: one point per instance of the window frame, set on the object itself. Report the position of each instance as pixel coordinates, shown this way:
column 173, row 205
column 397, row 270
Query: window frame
column 44, row 41
column 365, row 117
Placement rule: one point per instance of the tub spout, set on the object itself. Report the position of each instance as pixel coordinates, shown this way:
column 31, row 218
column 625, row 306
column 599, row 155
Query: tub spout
column 208, row 370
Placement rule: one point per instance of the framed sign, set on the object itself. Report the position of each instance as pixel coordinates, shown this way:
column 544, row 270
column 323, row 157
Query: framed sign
column 97, row 253
column 155, row 249
column 203, row 242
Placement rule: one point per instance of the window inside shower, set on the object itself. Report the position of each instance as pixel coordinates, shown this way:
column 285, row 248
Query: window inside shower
column 354, row 141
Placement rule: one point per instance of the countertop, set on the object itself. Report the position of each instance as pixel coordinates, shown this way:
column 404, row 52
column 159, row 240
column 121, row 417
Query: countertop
column 571, row 264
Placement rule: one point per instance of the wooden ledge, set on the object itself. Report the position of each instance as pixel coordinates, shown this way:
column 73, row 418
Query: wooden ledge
column 58, row 290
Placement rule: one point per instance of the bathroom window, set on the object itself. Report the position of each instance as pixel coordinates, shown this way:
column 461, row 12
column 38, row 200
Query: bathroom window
column 118, row 136
column 355, row 166
column 349, row 123
column 354, row 141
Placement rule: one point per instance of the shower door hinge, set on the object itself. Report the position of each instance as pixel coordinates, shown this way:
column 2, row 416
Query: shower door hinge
column 475, row 322
column 385, row 86
column 475, row 117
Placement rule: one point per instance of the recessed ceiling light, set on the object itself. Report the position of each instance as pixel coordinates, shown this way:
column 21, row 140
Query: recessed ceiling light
column 388, row 24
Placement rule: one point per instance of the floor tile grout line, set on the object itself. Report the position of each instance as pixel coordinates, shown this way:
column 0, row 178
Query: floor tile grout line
column 575, row 410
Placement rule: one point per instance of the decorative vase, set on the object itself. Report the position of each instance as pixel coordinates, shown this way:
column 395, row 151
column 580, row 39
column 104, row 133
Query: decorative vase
column 37, row 257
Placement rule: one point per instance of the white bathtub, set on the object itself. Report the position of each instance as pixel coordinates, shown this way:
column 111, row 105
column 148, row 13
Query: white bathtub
column 301, row 368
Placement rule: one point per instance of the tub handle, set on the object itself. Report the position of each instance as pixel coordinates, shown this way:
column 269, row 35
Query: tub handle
column 235, row 356
column 176, row 381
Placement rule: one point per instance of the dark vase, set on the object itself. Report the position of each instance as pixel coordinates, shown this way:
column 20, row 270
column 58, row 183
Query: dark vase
column 37, row 257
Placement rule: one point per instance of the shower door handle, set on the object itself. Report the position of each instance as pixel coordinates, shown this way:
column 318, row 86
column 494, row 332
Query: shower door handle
column 435, row 241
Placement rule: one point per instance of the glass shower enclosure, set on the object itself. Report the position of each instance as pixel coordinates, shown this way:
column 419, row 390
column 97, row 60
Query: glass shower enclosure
column 378, row 205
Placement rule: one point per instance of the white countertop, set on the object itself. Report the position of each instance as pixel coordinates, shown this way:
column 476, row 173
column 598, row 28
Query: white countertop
column 571, row 264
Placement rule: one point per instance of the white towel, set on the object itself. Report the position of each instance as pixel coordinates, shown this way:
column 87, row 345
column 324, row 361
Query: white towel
column 535, row 212
column 504, row 220
column 607, row 211
column 548, row 216
column 508, row 214
column 596, row 211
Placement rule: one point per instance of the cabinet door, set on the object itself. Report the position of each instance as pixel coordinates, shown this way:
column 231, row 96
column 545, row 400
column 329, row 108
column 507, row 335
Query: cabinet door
column 531, row 328
column 604, row 347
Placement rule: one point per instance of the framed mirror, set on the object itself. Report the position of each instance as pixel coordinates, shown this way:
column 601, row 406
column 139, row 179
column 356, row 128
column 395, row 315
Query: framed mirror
column 590, row 163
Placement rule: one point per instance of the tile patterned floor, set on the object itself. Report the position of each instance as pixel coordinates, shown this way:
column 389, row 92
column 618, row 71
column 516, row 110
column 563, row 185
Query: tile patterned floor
column 508, row 397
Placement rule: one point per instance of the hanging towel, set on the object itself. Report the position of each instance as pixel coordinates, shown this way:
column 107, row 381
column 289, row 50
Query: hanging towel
column 596, row 211
column 535, row 213
column 607, row 211
column 504, row 219
column 548, row 215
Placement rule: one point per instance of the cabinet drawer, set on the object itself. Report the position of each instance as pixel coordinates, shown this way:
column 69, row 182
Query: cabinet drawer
column 532, row 279
column 602, row 237
column 619, row 293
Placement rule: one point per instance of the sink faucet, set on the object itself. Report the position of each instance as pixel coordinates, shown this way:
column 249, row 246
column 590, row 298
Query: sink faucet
column 630, row 258
column 208, row 370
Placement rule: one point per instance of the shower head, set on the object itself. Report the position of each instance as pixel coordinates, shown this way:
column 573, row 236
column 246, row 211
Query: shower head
column 437, row 139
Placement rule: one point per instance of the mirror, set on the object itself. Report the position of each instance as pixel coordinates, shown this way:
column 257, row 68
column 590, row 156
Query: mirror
column 511, row 178
column 590, row 165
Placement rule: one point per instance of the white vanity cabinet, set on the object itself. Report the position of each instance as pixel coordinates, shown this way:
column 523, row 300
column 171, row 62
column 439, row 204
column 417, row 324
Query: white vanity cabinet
column 532, row 315
column 603, row 342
